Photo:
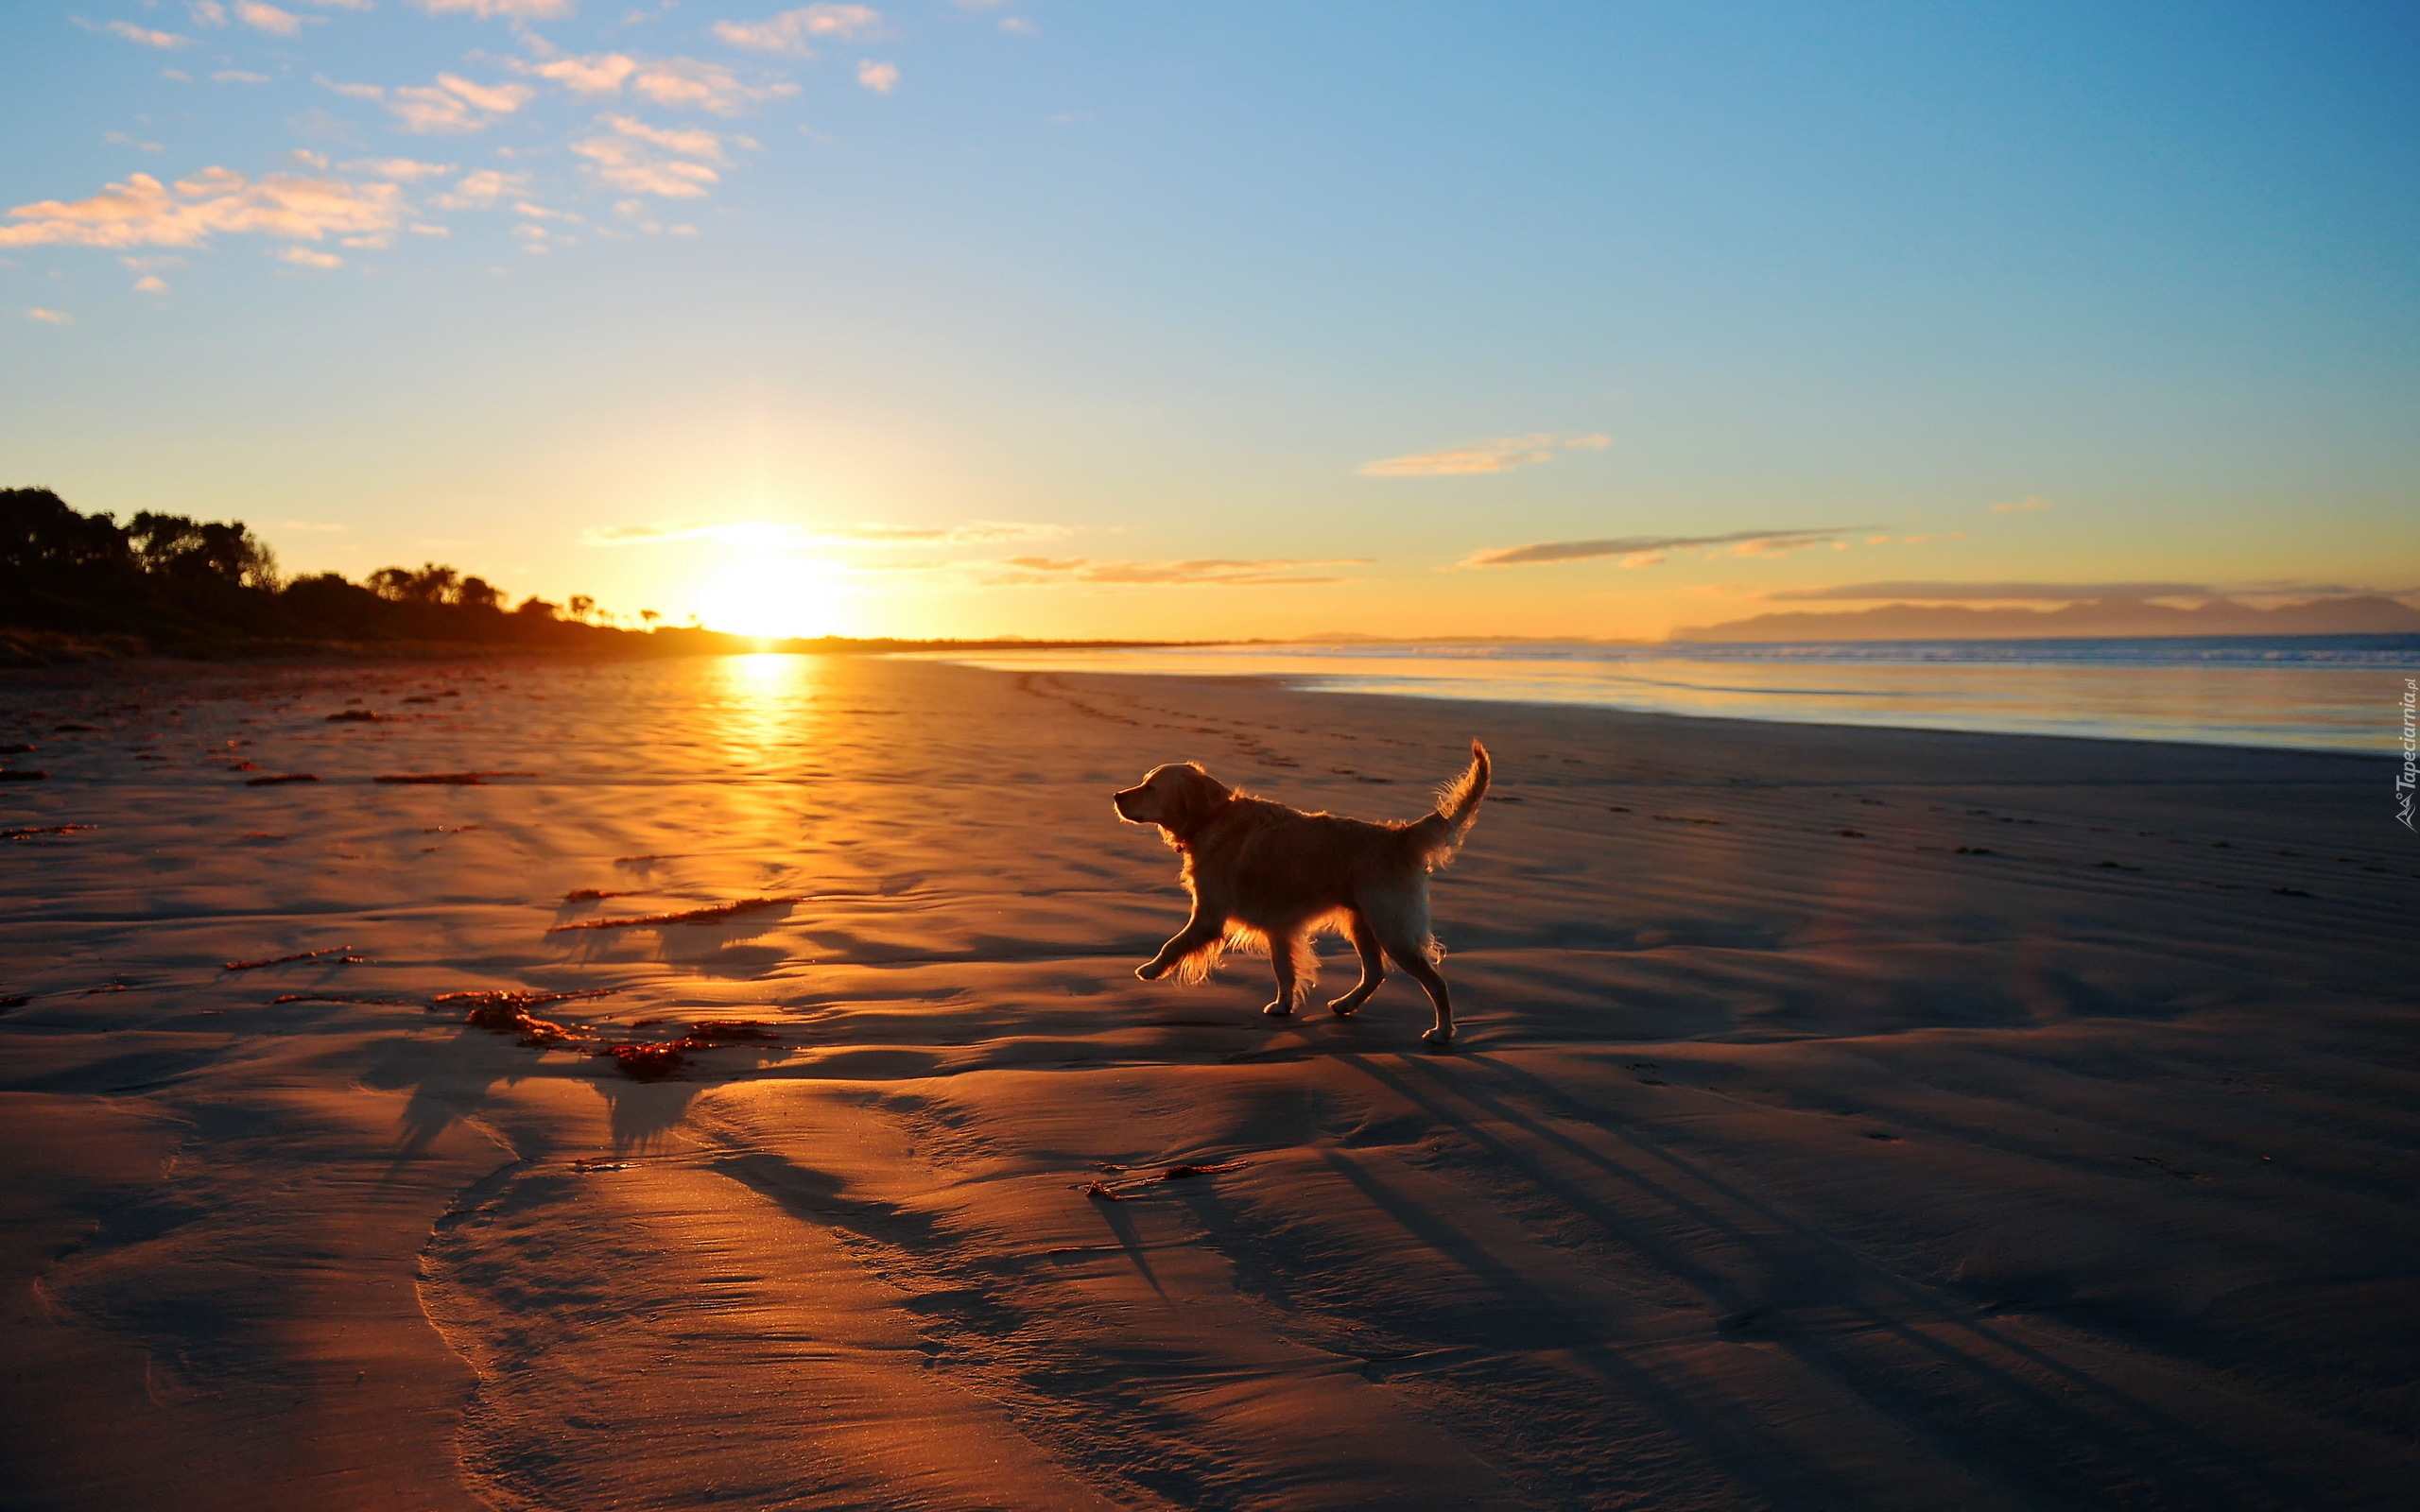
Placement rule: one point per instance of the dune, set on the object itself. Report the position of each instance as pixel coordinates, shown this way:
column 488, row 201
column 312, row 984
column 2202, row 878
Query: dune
column 1841, row 1117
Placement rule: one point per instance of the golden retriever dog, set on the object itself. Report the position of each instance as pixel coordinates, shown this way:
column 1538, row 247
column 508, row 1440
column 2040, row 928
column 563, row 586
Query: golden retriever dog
column 1262, row 874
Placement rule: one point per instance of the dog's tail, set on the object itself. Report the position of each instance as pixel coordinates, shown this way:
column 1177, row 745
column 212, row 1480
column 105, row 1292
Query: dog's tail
column 1457, row 807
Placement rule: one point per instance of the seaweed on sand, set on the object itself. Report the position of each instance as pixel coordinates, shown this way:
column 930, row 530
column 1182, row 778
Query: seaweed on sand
column 713, row 914
column 446, row 778
column 1127, row 1190
column 507, row 1012
column 279, row 780
column 338, row 950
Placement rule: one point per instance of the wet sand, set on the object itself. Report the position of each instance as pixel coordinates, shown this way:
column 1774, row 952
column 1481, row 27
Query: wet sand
column 1841, row 1119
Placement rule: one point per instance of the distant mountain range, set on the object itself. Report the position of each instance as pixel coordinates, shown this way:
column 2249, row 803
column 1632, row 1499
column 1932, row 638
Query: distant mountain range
column 2368, row 615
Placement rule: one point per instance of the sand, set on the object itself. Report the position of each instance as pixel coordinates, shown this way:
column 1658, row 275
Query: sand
column 1847, row 1119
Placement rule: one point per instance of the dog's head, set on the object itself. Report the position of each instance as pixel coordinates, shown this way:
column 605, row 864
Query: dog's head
column 1179, row 798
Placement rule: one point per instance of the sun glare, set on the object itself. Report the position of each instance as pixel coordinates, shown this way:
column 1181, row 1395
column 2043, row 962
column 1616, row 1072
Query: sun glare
column 769, row 599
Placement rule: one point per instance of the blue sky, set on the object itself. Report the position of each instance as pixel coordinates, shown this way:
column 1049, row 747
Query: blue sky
column 1166, row 319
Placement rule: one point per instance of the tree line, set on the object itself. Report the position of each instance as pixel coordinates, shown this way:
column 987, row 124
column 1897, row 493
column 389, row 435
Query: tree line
column 184, row 584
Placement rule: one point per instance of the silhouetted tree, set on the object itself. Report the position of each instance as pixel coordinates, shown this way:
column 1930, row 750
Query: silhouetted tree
column 173, row 547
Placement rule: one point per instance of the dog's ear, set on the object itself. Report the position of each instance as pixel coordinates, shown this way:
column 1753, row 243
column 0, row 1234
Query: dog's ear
column 1197, row 796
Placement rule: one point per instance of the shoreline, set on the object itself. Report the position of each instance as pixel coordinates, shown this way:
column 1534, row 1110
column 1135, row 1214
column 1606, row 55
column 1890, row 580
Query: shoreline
column 67, row 675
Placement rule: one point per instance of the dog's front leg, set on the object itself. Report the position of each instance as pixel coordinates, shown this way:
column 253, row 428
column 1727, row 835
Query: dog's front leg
column 1199, row 932
column 1283, row 951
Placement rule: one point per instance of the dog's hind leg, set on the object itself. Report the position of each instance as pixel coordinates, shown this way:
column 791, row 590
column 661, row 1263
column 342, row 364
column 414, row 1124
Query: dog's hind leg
column 1373, row 965
column 1401, row 923
column 1290, row 960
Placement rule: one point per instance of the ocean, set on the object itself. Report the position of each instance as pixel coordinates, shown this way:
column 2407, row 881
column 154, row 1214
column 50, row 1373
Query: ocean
column 2303, row 692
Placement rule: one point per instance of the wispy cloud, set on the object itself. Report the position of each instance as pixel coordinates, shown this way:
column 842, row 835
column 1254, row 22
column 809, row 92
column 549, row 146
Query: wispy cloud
column 49, row 316
column 1199, row 572
column 305, row 257
column 508, row 10
column 405, row 170
column 2025, row 505
column 880, row 77
column 269, row 18
column 142, row 212
column 1645, row 551
column 772, row 534
column 791, row 31
column 482, row 190
column 589, row 74
column 1502, row 455
column 239, row 76
column 637, row 158
column 452, row 105
column 687, row 83
column 140, row 36
column 1939, row 592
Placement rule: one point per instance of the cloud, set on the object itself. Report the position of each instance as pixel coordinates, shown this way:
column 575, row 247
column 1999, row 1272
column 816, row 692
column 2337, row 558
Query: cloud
column 1973, row 592
column 268, row 18
column 789, row 31
column 693, row 142
column 501, row 99
column 207, row 13
column 2025, row 505
column 766, row 534
column 508, row 10
column 1019, row 26
column 406, row 169
column 595, row 73
column 880, row 77
column 629, row 161
column 122, row 139
column 687, row 83
column 481, row 190
column 151, row 283
column 143, row 36
column 305, row 257
column 239, row 76
column 142, row 212
column 453, row 104
column 354, row 92
column 1645, row 551
column 1201, row 572
column 1500, row 456
column 50, row 316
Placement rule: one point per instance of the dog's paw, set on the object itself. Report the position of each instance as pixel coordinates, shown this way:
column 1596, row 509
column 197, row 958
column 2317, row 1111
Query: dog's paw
column 1438, row 1038
column 1279, row 1009
column 1150, row 970
column 1343, row 1008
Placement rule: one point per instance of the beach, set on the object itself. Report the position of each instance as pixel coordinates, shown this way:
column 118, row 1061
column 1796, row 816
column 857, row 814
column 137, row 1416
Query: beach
column 1840, row 1118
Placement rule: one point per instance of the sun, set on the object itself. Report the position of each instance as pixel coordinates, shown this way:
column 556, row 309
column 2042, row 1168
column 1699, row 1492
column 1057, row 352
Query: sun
column 773, row 600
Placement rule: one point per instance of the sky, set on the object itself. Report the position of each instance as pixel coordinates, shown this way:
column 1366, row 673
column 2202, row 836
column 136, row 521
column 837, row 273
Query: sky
column 1139, row 318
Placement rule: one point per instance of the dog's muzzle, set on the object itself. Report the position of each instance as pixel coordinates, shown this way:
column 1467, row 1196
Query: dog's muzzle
column 1118, row 801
